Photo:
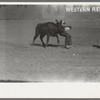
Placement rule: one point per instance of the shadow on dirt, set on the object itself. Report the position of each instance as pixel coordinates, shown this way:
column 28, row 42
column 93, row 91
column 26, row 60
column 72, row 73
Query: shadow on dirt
column 12, row 81
column 16, row 81
column 97, row 46
column 49, row 45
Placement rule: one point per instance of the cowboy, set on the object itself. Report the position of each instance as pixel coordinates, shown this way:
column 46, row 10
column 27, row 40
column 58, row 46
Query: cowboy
column 68, row 39
column 63, row 32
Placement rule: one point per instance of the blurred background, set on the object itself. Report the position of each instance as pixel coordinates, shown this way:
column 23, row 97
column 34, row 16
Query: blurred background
column 18, row 22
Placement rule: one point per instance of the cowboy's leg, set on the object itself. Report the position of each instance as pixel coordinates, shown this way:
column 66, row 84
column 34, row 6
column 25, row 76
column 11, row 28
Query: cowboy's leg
column 69, row 39
column 67, row 36
column 66, row 40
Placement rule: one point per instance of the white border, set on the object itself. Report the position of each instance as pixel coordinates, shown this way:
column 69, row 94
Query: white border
column 47, row 3
column 50, row 90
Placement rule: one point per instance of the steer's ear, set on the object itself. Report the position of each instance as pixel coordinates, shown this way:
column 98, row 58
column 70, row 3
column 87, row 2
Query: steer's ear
column 57, row 20
column 61, row 21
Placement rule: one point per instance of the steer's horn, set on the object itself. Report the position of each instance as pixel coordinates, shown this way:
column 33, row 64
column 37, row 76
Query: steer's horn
column 60, row 20
column 56, row 20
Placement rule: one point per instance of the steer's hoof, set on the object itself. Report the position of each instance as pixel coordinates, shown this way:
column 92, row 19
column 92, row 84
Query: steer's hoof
column 32, row 44
column 67, row 47
column 58, row 42
column 44, row 46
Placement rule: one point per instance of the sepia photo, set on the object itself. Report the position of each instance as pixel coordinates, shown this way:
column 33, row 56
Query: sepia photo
column 49, row 43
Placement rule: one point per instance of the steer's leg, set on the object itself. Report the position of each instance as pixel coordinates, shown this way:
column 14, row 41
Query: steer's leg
column 57, row 39
column 48, row 36
column 41, row 38
column 36, row 35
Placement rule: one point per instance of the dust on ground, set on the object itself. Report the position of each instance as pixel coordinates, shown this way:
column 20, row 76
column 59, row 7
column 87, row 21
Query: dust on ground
column 51, row 64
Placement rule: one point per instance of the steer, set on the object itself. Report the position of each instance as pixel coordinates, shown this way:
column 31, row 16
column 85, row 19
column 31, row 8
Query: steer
column 49, row 29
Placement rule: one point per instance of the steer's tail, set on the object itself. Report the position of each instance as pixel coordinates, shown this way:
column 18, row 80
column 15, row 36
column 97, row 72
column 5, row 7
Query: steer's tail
column 36, row 34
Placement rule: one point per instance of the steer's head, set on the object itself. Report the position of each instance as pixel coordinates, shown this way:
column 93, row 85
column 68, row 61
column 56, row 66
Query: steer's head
column 59, row 21
column 61, row 24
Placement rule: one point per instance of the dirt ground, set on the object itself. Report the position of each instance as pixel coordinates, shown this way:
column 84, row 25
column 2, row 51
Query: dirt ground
column 54, row 64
